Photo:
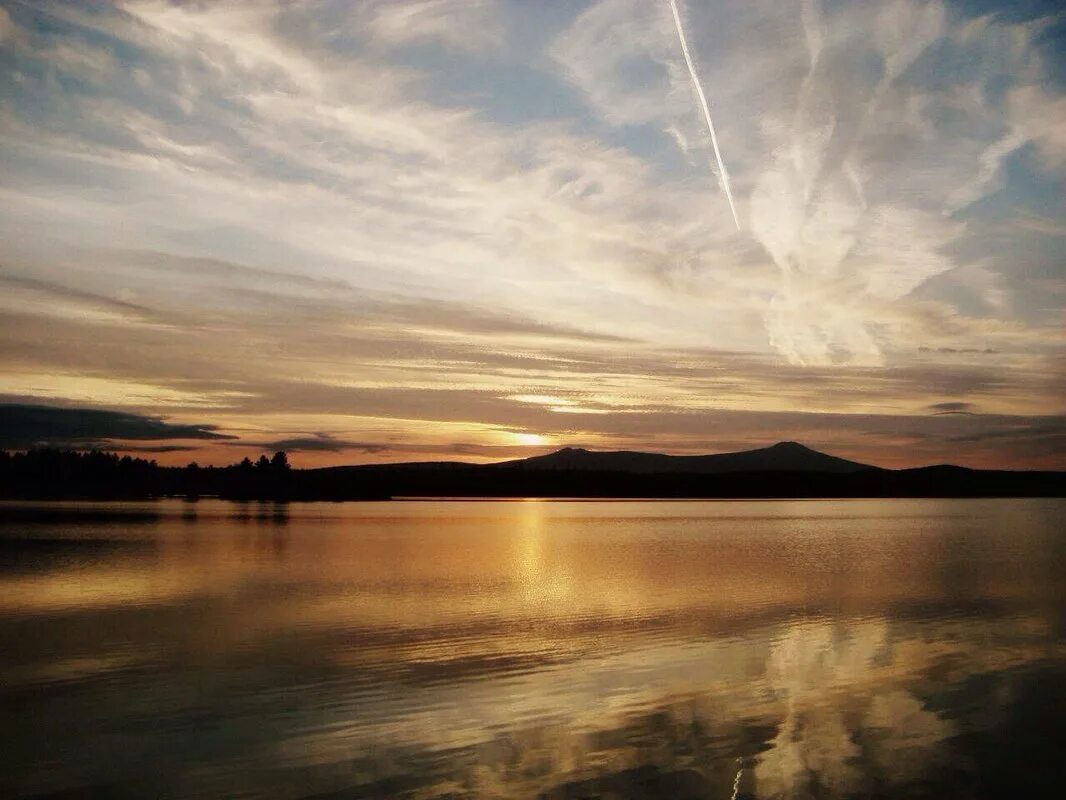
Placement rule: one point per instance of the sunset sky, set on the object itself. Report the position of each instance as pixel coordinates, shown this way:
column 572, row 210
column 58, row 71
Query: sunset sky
column 463, row 229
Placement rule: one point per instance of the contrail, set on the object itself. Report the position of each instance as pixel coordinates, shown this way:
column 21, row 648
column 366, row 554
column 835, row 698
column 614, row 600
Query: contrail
column 706, row 110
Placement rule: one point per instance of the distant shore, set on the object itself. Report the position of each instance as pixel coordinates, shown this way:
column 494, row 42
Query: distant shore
column 59, row 475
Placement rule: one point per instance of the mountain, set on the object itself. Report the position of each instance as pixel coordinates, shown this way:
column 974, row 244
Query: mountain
column 785, row 470
column 781, row 457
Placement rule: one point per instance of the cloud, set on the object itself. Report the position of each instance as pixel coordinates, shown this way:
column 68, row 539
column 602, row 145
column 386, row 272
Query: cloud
column 1040, row 224
column 957, row 350
column 23, row 426
column 8, row 29
column 396, row 451
column 466, row 25
column 1049, row 435
column 320, row 442
column 845, row 142
column 618, row 41
column 23, row 294
column 126, row 447
column 245, row 293
column 836, row 246
column 952, row 408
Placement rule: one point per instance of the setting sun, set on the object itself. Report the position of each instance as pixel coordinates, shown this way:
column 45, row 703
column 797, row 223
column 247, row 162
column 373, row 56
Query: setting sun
column 531, row 439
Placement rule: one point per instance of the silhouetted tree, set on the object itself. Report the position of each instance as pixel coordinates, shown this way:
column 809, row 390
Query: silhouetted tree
column 192, row 481
column 46, row 473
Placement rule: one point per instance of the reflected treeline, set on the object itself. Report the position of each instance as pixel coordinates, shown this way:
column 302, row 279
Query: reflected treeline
column 261, row 511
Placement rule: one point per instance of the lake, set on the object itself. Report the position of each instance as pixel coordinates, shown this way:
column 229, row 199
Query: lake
column 423, row 649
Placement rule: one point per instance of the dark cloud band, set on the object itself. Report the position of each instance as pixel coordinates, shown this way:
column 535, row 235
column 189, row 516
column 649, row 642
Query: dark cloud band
column 23, row 425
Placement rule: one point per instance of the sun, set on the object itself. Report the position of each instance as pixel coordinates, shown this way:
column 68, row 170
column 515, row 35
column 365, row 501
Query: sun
column 531, row 439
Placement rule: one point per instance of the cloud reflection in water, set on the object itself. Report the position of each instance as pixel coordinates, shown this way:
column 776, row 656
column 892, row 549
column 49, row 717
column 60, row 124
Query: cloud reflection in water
column 791, row 650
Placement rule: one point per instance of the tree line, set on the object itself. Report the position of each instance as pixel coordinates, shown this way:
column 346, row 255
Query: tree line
column 52, row 474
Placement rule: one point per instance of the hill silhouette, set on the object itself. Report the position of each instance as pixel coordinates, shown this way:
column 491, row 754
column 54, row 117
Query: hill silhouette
column 786, row 469
column 783, row 456
column 783, row 470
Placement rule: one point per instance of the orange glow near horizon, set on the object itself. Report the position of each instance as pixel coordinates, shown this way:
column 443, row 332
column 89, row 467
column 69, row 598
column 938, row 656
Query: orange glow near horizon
column 531, row 439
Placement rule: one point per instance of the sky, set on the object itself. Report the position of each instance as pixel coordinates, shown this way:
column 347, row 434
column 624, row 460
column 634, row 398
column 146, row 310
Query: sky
column 483, row 229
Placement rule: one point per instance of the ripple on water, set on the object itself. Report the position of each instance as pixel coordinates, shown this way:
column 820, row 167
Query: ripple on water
column 534, row 649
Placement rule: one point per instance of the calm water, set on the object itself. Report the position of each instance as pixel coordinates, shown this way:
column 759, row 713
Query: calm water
column 522, row 649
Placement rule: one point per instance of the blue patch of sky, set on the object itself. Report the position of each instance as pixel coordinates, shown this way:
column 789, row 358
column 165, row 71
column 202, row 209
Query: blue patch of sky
column 1051, row 40
column 515, row 93
column 39, row 20
column 997, row 220
column 1027, row 188
column 1011, row 10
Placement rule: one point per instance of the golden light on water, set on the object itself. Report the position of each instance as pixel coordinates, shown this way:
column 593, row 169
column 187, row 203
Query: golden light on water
column 807, row 635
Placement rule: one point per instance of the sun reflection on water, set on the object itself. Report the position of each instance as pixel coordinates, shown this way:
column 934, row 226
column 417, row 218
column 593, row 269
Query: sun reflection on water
column 535, row 648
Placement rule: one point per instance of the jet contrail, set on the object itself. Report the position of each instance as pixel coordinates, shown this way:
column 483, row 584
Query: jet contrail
column 706, row 110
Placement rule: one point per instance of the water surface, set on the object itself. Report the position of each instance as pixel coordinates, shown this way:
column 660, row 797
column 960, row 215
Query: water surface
column 901, row 648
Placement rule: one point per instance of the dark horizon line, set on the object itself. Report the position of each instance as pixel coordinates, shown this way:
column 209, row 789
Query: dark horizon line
column 682, row 456
column 143, row 455
column 54, row 474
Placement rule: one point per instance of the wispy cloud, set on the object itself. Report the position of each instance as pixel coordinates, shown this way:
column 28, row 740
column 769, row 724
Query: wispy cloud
column 858, row 139
column 471, row 25
column 320, row 442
